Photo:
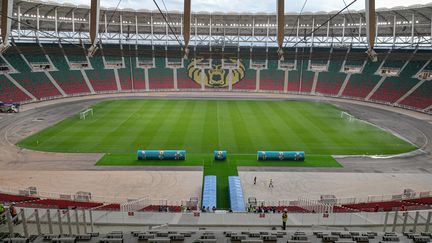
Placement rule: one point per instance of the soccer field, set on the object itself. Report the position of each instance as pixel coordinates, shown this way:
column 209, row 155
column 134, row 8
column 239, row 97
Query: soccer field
column 242, row 127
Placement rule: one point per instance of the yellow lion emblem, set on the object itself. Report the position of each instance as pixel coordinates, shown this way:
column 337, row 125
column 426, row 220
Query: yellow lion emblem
column 216, row 76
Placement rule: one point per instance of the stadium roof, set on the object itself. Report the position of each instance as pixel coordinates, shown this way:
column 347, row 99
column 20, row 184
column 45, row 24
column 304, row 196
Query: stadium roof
column 409, row 22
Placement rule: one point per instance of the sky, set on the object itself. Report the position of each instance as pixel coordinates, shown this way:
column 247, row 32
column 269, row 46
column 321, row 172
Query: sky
column 248, row 5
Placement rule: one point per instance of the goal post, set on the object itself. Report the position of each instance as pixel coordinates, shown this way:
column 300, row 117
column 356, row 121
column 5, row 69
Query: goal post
column 86, row 113
column 346, row 115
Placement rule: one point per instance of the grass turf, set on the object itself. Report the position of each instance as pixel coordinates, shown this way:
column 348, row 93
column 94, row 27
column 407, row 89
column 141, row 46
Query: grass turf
column 241, row 127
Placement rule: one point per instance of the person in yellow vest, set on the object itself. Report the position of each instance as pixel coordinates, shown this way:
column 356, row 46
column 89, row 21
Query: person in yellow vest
column 2, row 217
column 284, row 219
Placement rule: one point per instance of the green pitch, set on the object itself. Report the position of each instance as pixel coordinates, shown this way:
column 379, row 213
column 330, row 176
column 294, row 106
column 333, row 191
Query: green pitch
column 118, row 128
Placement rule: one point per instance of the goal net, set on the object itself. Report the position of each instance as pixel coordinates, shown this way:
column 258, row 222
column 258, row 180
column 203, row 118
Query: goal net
column 86, row 113
column 349, row 117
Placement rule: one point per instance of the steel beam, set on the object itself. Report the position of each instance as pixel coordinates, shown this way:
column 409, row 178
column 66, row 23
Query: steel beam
column 186, row 25
column 371, row 28
column 280, row 26
column 94, row 25
column 6, row 23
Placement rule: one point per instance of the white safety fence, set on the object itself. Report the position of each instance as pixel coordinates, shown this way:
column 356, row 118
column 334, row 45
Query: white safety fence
column 89, row 197
column 409, row 195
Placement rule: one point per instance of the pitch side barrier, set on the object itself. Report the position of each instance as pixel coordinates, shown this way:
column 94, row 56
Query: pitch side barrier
column 281, row 155
column 161, row 154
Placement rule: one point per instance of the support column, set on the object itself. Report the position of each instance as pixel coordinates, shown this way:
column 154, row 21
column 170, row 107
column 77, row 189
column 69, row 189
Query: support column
column 360, row 29
column 230, row 76
column 286, row 81
column 268, row 32
column 202, row 79
column 175, row 78
column 146, row 79
column 210, row 32
column 394, row 30
column 257, row 80
column 94, row 25
column 73, row 24
column 19, row 20
column 280, row 26
column 6, row 23
column 412, row 28
column 121, row 28
column 56, row 22
column 151, row 30
column 371, row 28
column 186, row 25
column 105, row 24
column 196, row 32
column 328, row 31
column 117, row 80
column 315, row 81
column 37, row 22
column 136, row 29
column 343, row 30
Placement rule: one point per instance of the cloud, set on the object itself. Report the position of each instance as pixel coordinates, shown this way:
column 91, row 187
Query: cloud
column 247, row 5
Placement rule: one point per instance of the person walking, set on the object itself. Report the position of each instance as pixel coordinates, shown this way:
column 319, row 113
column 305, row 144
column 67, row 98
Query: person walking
column 255, row 180
column 13, row 213
column 284, row 219
column 271, row 183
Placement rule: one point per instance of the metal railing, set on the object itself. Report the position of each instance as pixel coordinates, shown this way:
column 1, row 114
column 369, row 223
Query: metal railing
column 70, row 222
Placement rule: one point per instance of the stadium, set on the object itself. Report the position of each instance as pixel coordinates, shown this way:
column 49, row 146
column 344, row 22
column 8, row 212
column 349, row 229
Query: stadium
column 130, row 125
